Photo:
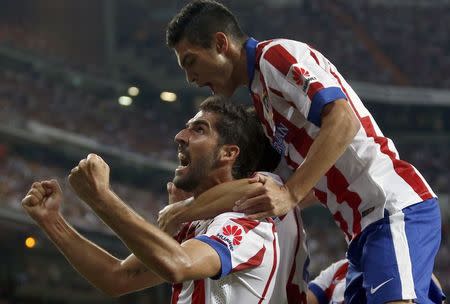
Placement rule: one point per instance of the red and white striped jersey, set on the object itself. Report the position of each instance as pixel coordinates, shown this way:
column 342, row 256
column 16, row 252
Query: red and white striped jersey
column 249, row 254
column 290, row 83
column 329, row 285
column 292, row 277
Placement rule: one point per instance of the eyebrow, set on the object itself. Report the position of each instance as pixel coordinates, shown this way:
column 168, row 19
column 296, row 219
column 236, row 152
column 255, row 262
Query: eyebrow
column 199, row 122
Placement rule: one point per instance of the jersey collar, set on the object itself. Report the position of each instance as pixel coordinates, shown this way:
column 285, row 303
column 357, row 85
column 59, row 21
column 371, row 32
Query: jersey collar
column 250, row 48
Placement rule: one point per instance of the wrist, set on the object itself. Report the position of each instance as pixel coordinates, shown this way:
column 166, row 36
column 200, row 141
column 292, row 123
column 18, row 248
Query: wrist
column 50, row 220
column 294, row 196
column 100, row 199
column 180, row 210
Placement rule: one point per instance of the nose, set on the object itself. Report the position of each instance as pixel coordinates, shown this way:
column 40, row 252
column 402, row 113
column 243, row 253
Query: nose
column 190, row 77
column 181, row 138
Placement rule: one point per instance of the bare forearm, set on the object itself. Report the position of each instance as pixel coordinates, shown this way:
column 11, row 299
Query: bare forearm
column 309, row 200
column 91, row 261
column 339, row 127
column 156, row 249
column 216, row 200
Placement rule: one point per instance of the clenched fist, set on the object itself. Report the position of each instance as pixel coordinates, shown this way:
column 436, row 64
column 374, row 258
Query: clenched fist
column 43, row 201
column 90, row 179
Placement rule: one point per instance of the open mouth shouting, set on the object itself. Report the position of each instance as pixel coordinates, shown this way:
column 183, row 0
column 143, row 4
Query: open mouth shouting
column 184, row 162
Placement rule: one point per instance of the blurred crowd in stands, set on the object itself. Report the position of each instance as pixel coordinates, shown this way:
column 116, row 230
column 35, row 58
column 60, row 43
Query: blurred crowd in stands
column 32, row 97
column 350, row 34
column 413, row 37
column 17, row 174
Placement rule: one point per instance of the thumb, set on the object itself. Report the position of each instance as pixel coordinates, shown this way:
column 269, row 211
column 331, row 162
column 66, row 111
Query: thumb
column 170, row 186
column 257, row 178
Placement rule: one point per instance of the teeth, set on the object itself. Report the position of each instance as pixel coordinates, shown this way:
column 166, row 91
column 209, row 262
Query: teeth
column 184, row 161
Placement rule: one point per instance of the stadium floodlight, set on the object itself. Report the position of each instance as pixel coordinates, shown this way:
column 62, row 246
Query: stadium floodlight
column 125, row 101
column 133, row 91
column 168, row 96
column 30, row 242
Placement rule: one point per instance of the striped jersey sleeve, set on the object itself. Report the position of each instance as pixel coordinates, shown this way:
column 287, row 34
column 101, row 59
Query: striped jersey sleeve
column 329, row 285
column 240, row 243
column 302, row 76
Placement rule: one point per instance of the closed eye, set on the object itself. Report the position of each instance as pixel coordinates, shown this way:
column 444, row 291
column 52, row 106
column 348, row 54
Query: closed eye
column 199, row 129
column 191, row 61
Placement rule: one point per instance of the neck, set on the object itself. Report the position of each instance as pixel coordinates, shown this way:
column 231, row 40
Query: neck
column 240, row 74
column 211, row 181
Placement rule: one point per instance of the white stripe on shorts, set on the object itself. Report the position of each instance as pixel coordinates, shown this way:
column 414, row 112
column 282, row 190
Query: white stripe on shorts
column 397, row 224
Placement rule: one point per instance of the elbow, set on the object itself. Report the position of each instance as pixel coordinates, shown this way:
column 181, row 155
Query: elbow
column 116, row 285
column 178, row 272
column 176, row 276
column 351, row 124
column 113, row 292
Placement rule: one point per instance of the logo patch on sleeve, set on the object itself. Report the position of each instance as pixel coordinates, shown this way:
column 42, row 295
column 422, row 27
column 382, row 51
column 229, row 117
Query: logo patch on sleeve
column 231, row 235
column 302, row 77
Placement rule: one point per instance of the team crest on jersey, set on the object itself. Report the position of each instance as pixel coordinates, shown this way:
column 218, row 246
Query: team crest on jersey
column 302, row 77
column 278, row 140
column 231, row 235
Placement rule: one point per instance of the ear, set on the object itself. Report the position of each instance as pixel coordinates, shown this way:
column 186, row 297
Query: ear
column 222, row 43
column 229, row 153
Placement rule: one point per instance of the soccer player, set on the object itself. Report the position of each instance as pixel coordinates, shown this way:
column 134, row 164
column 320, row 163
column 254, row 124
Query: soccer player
column 332, row 143
column 329, row 286
column 228, row 259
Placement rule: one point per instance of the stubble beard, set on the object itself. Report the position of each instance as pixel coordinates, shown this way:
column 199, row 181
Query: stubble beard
column 197, row 174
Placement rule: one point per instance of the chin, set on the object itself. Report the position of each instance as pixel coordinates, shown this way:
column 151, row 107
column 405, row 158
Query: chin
column 185, row 184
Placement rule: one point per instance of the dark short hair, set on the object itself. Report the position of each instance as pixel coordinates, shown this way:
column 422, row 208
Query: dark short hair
column 241, row 127
column 199, row 20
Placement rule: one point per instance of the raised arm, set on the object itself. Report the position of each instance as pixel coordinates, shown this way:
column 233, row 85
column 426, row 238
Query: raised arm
column 158, row 251
column 109, row 274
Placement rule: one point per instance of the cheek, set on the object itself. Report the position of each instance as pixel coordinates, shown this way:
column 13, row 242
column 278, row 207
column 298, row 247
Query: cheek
column 217, row 66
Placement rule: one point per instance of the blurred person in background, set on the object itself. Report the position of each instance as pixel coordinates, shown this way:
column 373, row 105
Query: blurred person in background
column 318, row 123
column 228, row 259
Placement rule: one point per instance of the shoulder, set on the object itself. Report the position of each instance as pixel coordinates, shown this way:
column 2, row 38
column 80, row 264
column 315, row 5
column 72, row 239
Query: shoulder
column 279, row 47
column 238, row 221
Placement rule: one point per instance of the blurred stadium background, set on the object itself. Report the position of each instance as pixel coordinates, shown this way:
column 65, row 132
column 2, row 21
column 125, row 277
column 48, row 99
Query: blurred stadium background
column 89, row 76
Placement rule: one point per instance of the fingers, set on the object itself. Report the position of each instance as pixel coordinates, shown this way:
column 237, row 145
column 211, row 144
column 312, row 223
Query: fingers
column 35, row 196
column 37, row 191
column 38, row 188
column 258, row 178
column 170, row 187
column 254, row 193
column 30, row 201
column 52, row 186
column 255, row 204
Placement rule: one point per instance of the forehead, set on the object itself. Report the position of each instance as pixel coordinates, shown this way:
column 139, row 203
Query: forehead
column 184, row 48
column 204, row 117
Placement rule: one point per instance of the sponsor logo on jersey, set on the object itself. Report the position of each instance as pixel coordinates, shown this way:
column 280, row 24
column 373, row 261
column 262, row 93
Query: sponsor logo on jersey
column 278, row 140
column 232, row 235
column 302, row 78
